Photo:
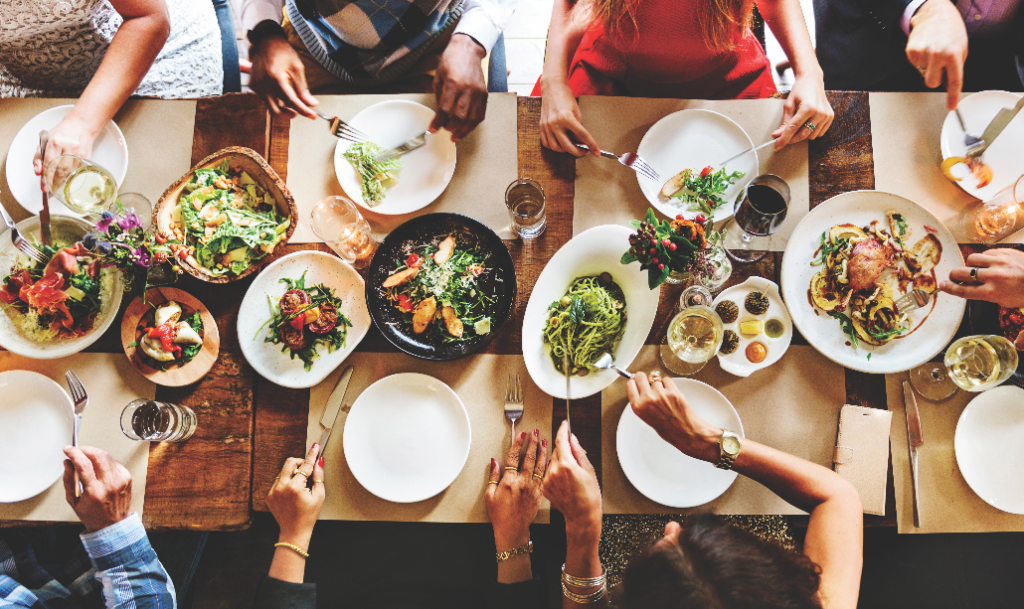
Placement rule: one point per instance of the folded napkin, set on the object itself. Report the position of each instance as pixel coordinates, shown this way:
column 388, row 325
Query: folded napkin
column 862, row 453
column 112, row 382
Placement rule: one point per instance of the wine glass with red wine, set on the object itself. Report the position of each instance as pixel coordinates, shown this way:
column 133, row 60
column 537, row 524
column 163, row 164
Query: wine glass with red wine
column 760, row 212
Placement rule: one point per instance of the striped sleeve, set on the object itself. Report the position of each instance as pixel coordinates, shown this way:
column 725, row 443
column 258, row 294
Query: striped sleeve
column 127, row 567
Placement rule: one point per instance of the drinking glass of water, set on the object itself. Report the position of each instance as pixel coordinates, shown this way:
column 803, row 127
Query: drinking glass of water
column 759, row 214
column 134, row 203
column 149, row 420
column 338, row 222
column 525, row 201
column 81, row 185
column 993, row 220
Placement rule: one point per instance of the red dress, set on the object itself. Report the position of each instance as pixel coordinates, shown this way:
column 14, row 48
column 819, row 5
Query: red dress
column 668, row 58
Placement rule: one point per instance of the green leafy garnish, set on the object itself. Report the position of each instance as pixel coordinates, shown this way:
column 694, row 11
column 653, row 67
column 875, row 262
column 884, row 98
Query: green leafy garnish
column 704, row 193
column 372, row 173
column 318, row 294
column 847, row 325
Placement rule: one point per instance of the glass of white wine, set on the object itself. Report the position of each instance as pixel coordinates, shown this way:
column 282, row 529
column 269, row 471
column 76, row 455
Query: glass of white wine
column 81, row 185
column 977, row 363
column 694, row 334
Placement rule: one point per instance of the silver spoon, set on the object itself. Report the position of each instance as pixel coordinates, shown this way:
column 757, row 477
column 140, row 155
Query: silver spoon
column 606, row 362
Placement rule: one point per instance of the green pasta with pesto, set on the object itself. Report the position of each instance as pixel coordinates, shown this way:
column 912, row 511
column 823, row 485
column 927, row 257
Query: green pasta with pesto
column 587, row 322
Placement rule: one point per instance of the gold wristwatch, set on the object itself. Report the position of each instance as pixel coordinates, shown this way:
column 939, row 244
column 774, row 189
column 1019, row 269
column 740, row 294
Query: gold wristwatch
column 728, row 449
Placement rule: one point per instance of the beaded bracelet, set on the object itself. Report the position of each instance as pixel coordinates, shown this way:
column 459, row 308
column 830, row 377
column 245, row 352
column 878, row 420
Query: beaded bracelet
column 293, row 547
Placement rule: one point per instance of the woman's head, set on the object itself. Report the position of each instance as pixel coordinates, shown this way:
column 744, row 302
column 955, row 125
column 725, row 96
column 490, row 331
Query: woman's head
column 710, row 564
column 722, row 22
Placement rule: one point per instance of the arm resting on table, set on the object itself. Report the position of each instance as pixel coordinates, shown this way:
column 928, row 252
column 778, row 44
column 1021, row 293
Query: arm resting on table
column 127, row 567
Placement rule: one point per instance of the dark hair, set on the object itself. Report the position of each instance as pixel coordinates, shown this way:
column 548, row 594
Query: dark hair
column 719, row 566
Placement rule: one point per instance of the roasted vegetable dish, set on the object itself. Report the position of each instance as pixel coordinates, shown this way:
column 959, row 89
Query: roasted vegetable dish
column 304, row 319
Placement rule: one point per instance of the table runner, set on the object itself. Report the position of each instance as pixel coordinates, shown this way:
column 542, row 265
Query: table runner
column 112, row 382
column 479, row 380
column 486, row 163
column 905, row 133
column 158, row 134
column 607, row 193
column 792, row 406
column 948, row 505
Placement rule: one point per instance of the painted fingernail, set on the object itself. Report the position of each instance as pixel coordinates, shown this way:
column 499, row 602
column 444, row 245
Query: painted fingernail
column 536, row 432
column 522, row 436
column 320, row 462
column 493, row 463
column 316, row 447
column 544, row 443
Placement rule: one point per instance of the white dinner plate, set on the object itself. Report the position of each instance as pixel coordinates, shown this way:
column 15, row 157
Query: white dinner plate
column 658, row 470
column 695, row 139
column 425, row 172
column 36, row 421
column 267, row 358
column 824, row 332
column 592, row 252
column 1005, row 156
column 989, row 447
column 407, row 437
column 737, row 362
column 110, row 152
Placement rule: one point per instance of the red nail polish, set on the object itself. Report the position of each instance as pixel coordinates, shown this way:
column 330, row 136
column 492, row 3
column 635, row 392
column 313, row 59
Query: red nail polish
column 544, row 443
column 320, row 462
column 493, row 463
column 522, row 436
column 536, row 432
column 316, row 446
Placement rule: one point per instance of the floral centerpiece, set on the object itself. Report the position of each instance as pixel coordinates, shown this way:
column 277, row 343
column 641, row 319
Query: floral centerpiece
column 121, row 241
column 675, row 250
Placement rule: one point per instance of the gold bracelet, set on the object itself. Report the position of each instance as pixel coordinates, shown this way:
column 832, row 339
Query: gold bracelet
column 584, row 599
column 291, row 546
column 583, row 582
column 526, row 548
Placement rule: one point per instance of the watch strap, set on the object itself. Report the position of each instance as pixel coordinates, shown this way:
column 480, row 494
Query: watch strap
column 725, row 460
column 268, row 28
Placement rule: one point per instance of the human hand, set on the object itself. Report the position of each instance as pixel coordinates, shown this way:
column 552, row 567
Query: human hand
column 277, row 75
column 1000, row 278
column 295, row 507
column 71, row 136
column 460, row 88
column 806, row 105
column 937, row 47
column 107, row 487
column 560, row 118
column 513, row 497
column 571, row 486
column 661, row 405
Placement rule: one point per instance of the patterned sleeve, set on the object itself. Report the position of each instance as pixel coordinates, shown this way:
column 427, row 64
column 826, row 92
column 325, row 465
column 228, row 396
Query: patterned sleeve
column 127, row 567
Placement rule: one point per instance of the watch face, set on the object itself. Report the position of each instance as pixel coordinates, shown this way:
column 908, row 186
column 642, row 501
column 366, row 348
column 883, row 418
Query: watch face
column 731, row 445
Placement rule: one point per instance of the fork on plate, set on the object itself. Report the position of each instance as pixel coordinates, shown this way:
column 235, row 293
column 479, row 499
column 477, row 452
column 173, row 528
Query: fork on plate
column 513, row 402
column 342, row 130
column 629, row 159
column 912, row 300
column 81, row 399
column 20, row 242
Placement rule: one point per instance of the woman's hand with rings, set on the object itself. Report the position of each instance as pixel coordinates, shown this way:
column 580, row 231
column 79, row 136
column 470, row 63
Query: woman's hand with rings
column 998, row 278
column 294, row 506
column 514, row 492
column 561, row 121
column 571, row 486
column 806, row 113
column 660, row 404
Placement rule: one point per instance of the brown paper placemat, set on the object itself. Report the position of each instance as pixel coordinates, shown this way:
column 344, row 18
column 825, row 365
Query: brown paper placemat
column 905, row 132
column 486, row 163
column 607, row 193
column 479, row 380
column 948, row 505
column 792, row 406
column 112, row 382
column 158, row 133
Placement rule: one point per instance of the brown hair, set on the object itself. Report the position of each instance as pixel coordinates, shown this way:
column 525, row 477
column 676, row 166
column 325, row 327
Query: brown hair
column 718, row 566
column 721, row 21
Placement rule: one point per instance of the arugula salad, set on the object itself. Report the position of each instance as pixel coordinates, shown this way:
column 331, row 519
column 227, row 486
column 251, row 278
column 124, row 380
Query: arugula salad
column 373, row 174
column 227, row 221
column 304, row 319
column 700, row 191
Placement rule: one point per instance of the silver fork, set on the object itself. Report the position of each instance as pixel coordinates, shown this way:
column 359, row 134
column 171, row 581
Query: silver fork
column 81, row 399
column 342, row 130
column 20, row 242
column 970, row 140
column 915, row 299
column 629, row 159
column 513, row 402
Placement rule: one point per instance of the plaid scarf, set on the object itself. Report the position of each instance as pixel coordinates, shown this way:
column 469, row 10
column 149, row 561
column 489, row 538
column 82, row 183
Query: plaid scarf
column 371, row 42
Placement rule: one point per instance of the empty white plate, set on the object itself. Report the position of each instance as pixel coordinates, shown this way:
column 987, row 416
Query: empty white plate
column 407, row 437
column 425, row 172
column 36, row 421
column 695, row 139
column 989, row 446
column 658, row 470
column 1005, row 156
column 110, row 152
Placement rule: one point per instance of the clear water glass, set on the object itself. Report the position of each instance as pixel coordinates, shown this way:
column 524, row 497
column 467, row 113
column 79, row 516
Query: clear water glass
column 153, row 421
column 525, row 201
column 338, row 222
column 81, row 185
column 760, row 212
column 993, row 220
column 134, row 203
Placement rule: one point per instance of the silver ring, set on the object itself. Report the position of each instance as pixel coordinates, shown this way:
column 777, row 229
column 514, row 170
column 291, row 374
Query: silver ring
column 974, row 274
column 810, row 126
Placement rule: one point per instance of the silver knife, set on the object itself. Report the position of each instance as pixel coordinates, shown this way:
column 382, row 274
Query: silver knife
column 914, row 441
column 747, row 151
column 412, row 144
column 44, row 214
column 1002, row 119
column 329, row 420
column 565, row 369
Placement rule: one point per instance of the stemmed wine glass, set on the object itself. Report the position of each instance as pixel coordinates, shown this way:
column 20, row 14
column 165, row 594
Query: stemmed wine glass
column 81, row 185
column 760, row 212
column 973, row 363
column 991, row 221
column 694, row 335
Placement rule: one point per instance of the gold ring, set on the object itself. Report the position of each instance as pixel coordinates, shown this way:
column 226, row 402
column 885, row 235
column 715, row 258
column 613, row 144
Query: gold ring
column 974, row 274
column 656, row 377
column 318, row 481
column 509, row 467
column 492, row 482
column 538, row 477
column 299, row 472
column 810, row 126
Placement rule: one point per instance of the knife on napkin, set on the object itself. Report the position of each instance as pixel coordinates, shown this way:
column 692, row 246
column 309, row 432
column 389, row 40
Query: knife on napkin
column 329, row 420
column 914, row 441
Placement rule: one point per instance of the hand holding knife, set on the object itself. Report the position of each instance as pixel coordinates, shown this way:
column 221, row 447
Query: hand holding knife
column 330, row 418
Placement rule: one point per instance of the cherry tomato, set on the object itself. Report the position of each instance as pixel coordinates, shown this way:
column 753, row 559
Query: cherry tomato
column 160, row 239
column 475, row 270
column 165, row 333
column 707, row 170
column 297, row 322
column 327, row 320
column 413, row 261
column 293, row 300
column 295, row 339
column 701, row 219
column 404, row 303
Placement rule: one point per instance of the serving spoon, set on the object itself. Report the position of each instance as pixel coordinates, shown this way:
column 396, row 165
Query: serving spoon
column 606, row 362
